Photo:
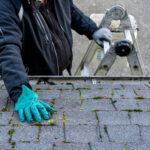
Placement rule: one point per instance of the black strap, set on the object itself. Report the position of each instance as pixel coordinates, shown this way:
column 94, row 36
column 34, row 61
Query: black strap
column 69, row 69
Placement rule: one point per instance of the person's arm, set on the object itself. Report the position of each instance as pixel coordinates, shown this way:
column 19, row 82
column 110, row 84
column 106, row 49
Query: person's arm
column 11, row 65
column 27, row 103
column 82, row 23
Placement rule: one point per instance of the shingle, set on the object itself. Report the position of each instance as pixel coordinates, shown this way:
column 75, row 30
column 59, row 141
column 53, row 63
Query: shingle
column 113, row 118
column 145, row 134
column 140, row 118
column 48, row 94
column 51, row 134
column 5, row 146
column 71, row 146
column 123, row 104
column 107, row 146
column 96, row 92
column 144, row 93
column 32, row 146
column 130, row 133
column 70, row 94
column 62, row 105
column 4, row 136
column 80, row 118
column 124, row 94
column 81, row 134
column 5, row 117
column 91, row 105
column 25, row 133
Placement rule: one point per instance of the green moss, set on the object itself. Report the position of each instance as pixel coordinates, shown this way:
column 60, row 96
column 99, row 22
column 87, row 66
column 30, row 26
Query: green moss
column 10, row 132
column 114, row 102
column 133, row 110
column 101, row 138
column 54, row 145
column 98, row 122
column 11, row 119
column 52, row 122
column 37, row 124
column 125, row 146
column 9, row 140
column 114, row 105
column 96, row 117
column 17, row 125
column 122, row 86
column 65, row 141
column 81, row 105
column 64, row 118
column 139, row 97
column 98, row 97
column 48, row 88
column 5, row 109
column 23, row 141
column 129, row 115
column 53, row 103
column 112, row 93
column 96, row 110
column 83, row 88
column 13, row 144
column 37, row 89
column 116, row 89
column 38, row 137
column 105, row 129
column 73, row 87
column 107, row 97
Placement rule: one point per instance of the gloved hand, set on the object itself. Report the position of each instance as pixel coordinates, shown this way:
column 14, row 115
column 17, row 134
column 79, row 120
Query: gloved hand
column 29, row 105
column 103, row 34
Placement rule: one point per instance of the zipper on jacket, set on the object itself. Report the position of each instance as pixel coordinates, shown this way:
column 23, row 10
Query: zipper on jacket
column 42, row 26
column 59, row 24
column 56, row 56
column 56, row 15
column 1, row 33
column 37, row 17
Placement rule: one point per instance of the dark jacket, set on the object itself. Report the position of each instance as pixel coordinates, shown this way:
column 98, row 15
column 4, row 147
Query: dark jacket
column 25, row 44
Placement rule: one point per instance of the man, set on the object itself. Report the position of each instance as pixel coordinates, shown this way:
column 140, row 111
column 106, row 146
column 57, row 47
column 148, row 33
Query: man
column 36, row 39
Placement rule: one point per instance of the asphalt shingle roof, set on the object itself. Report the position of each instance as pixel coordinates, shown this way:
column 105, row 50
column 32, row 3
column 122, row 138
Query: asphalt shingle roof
column 110, row 115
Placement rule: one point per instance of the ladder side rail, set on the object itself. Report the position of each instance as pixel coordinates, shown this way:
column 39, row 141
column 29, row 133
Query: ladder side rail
column 106, row 21
column 87, row 57
column 106, row 63
column 133, row 59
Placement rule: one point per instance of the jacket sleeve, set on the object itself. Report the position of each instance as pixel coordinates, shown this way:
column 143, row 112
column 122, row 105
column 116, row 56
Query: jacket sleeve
column 81, row 23
column 11, row 65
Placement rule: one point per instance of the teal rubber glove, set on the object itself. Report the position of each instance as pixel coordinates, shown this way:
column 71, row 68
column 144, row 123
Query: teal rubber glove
column 29, row 105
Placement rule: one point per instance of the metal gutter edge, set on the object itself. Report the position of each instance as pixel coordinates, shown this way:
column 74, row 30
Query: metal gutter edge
column 89, row 77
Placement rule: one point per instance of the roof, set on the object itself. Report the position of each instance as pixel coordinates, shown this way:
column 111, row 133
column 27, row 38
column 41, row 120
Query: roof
column 109, row 115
